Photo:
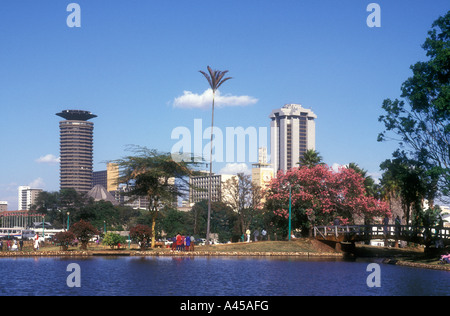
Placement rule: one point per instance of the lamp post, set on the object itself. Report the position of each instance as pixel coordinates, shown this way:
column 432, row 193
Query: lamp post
column 68, row 220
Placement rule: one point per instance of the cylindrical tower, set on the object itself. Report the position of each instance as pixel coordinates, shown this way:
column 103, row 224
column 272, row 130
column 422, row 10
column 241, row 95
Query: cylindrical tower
column 76, row 150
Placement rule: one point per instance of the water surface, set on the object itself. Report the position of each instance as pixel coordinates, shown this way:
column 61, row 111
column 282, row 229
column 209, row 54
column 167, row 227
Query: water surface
column 204, row 276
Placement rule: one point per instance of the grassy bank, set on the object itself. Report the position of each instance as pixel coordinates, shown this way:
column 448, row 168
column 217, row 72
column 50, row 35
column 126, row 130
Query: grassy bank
column 299, row 246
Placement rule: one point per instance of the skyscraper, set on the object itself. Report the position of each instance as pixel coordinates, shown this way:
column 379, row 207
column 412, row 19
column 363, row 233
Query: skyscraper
column 292, row 133
column 76, row 150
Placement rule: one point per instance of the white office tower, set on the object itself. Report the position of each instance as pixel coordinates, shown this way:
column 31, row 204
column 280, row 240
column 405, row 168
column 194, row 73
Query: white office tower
column 27, row 197
column 292, row 133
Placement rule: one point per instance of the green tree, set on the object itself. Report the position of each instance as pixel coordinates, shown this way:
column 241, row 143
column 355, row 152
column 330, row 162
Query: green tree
column 215, row 79
column 98, row 212
column 310, row 159
column 156, row 176
column 421, row 121
column 224, row 221
column 174, row 221
column 55, row 205
column 401, row 177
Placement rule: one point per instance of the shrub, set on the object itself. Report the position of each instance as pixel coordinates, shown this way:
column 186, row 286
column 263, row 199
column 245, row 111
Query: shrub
column 84, row 231
column 141, row 234
column 113, row 240
column 64, row 239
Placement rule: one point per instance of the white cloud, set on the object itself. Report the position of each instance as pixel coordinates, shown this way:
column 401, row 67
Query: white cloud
column 191, row 100
column 37, row 184
column 336, row 166
column 235, row 168
column 49, row 158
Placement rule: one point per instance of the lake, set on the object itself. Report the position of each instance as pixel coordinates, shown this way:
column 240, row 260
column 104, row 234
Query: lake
column 213, row 276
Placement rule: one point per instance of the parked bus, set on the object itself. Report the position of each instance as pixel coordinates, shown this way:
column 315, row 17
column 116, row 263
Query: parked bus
column 17, row 232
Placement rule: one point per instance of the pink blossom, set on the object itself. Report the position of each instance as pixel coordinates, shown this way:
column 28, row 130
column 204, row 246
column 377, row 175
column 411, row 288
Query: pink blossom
column 324, row 193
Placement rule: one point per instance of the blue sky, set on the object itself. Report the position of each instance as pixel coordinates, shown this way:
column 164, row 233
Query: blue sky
column 131, row 59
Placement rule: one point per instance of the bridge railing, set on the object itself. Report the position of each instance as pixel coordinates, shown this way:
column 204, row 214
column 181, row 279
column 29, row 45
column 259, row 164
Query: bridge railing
column 382, row 231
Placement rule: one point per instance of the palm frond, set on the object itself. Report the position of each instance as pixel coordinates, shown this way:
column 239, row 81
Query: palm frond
column 207, row 78
column 215, row 77
column 220, row 83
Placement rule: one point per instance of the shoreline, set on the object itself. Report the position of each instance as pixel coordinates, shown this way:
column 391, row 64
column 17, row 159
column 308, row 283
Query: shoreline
column 301, row 248
column 419, row 265
column 138, row 253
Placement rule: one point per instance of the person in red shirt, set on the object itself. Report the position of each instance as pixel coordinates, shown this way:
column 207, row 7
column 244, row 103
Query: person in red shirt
column 179, row 242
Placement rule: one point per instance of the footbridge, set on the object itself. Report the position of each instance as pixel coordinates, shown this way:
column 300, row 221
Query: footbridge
column 354, row 233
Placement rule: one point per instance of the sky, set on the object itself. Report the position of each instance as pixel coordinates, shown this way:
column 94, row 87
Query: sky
column 135, row 64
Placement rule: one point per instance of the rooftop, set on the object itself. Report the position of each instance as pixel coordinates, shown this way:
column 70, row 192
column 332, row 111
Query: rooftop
column 76, row 115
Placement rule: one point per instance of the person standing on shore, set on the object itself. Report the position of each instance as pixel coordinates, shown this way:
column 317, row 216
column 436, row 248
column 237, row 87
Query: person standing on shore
column 187, row 243
column 256, row 234
column 179, row 241
column 263, row 234
column 248, row 232
column 36, row 242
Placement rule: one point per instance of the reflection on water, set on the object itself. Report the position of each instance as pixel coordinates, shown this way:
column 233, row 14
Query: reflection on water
column 225, row 276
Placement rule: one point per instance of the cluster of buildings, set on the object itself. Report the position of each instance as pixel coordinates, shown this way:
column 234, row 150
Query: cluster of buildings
column 292, row 134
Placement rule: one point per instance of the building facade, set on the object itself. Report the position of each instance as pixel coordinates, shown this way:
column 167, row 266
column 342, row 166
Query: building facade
column 262, row 172
column 100, row 178
column 292, row 133
column 76, row 150
column 27, row 197
column 108, row 178
column 3, row 206
column 135, row 202
column 198, row 187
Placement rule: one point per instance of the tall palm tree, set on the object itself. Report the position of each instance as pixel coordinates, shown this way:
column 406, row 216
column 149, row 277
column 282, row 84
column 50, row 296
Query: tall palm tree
column 215, row 79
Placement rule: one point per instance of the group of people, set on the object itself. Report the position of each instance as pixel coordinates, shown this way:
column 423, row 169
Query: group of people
column 183, row 243
column 256, row 235
column 14, row 245
column 11, row 245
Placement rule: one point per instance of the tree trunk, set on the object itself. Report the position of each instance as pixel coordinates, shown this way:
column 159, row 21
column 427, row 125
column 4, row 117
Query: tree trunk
column 155, row 215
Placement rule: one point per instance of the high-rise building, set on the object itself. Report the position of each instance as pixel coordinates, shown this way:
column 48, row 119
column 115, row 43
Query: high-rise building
column 292, row 133
column 27, row 197
column 76, row 150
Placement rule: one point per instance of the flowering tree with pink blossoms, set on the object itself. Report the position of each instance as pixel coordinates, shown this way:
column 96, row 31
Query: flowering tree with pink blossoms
column 319, row 195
